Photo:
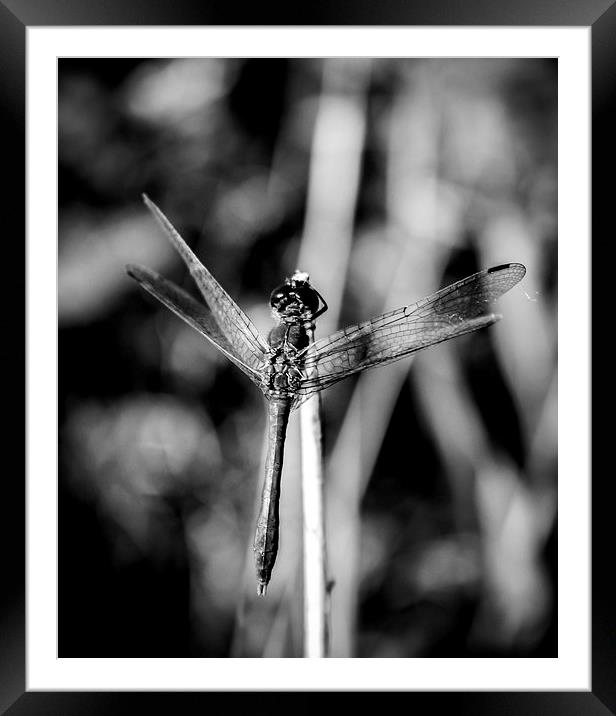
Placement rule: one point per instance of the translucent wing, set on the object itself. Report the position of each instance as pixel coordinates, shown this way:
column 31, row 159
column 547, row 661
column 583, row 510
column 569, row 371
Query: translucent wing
column 241, row 335
column 194, row 313
column 453, row 311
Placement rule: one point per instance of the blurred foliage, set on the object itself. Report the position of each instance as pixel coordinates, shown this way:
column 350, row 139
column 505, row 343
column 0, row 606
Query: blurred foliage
column 385, row 180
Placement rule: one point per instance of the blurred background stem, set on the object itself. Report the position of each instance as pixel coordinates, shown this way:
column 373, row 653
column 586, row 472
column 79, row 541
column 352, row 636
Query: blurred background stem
column 334, row 177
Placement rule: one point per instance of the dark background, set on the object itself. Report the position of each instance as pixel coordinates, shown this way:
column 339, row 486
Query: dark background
column 385, row 180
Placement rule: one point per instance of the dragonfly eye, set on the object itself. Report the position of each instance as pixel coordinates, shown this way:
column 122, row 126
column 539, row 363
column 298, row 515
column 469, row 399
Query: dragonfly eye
column 294, row 298
column 308, row 297
column 281, row 297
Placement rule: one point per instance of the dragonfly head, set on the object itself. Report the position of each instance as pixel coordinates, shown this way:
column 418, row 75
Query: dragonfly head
column 297, row 299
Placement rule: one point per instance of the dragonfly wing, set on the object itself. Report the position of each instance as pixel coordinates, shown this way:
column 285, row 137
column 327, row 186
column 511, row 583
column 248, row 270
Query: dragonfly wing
column 247, row 343
column 453, row 311
column 194, row 313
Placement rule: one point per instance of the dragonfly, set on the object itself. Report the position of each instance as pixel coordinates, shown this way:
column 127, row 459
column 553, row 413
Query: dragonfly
column 289, row 367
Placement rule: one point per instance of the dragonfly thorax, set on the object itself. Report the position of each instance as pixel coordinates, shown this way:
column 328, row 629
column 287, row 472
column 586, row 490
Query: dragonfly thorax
column 283, row 373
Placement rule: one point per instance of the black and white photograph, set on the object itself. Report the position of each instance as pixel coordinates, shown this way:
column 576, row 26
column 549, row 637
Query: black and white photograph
column 307, row 357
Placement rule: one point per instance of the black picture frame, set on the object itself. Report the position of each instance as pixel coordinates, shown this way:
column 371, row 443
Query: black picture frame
column 15, row 17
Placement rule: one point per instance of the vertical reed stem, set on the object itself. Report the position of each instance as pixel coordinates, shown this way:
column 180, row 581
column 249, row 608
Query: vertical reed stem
column 316, row 632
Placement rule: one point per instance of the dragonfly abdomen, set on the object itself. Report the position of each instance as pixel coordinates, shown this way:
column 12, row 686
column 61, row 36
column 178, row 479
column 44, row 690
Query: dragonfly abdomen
column 268, row 522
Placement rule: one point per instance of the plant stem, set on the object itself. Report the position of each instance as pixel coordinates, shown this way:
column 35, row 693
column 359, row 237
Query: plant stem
column 315, row 570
